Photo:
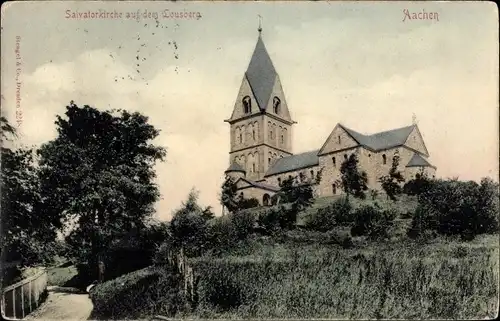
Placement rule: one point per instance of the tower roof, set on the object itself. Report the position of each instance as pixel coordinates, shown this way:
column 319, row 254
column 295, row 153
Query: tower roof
column 261, row 74
column 235, row 167
column 418, row 161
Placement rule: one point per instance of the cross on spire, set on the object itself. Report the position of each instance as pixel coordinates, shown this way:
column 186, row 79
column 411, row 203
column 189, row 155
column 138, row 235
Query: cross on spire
column 260, row 24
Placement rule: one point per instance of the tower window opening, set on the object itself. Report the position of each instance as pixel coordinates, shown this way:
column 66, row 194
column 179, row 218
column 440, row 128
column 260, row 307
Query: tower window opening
column 384, row 159
column 247, row 105
column 253, row 134
column 253, row 168
column 276, row 105
column 241, row 138
column 282, row 139
column 339, row 140
column 334, row 189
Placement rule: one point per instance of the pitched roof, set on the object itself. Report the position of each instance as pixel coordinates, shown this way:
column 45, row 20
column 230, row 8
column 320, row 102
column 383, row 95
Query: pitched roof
column 261, row 185
column 382, row 140
column 235, row 167
column 294, row 162
column 418, row 161
column 261, row 74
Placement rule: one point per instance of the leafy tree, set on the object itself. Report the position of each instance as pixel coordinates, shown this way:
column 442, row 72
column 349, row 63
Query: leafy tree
column 391, row 183
column 373, row 222
column 28, row 233
column 353, row 181
column 98, row 173
column 189, row 226
column 229, row 195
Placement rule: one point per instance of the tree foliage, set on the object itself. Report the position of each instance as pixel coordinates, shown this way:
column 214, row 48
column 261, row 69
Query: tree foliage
column 419, row 185
column 98, row 175
column 352, row 180
column 391, row 183
column 28, row 231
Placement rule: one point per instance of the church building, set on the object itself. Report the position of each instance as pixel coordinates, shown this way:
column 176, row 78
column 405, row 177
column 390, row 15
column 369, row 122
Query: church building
column 261, row 156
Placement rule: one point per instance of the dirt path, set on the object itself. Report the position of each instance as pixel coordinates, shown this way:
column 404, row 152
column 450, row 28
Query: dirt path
column 61, row 305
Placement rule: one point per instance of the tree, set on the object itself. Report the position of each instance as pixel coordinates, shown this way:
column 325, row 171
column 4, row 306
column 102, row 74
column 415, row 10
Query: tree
column 352, row 180
column 391, row 183
column 98, row 174
column 189, row 228
column 229, row 195
column 28, row 233
column 419, row 185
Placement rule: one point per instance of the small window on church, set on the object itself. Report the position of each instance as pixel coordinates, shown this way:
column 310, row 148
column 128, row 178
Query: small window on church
column 279, row 181
column 282, row 139
column 241, row 138
column 339, row 139
column 312, row 173
column 345, row 156
column 269, row 160
column 384, row 159
column 334, row 189
column 253, row 134
column 253, row 168
column 333, row 161
column 276, row 105
column 247, row 105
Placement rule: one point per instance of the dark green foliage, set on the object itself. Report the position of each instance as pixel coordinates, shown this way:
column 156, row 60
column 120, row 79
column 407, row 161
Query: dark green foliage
column 140, row 294
column 99, row 172
column 277, row 218
column 336, row 214
column 420, row 184
column 342, row 238
column 353, row 181
column 243, row 222
column 372, row 222
column 229, row 194
column 452, row 207
column 245, row 203
column 223, row 293
column 189, row 227
column 391, row 183
column 28, row 230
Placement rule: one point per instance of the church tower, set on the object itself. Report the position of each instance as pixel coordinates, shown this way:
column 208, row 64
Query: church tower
column 260, row 125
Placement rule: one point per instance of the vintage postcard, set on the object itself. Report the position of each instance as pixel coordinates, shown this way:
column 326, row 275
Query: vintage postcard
column 249, row 160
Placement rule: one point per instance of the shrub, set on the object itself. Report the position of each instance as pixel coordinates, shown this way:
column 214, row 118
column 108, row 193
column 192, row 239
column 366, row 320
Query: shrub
column 138, row 294
column 243, row 223
column 336, row 214
column 453, row 207
column 341, row 238
column 372, row 222
column 275, row 219
column 190, row 231
column 245, row 203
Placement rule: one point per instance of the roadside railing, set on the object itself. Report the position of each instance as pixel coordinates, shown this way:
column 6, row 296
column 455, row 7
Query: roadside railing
column 23, row 297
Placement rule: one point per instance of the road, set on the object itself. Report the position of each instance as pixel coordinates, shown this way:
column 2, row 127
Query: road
column 62, row 304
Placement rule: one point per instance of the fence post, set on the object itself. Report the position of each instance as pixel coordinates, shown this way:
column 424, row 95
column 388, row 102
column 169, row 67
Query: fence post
column 22, row 302
column 14, row 302
column 31, row 294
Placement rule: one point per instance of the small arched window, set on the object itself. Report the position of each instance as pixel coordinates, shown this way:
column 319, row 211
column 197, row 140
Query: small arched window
column 269, row 160
column 334, row 189
column 247, row 104
column 345, row 156
column 384, row 159
column 253, row 133
column 279, row 181
column 334, row 162
column 339, row 139
column 276, row 105
column 253, row 168
column 312, row 173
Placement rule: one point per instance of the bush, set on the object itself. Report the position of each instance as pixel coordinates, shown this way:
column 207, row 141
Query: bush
column 138, row 294
column 372, row 222
column 336, row 214
column 243, row 223
column 341, row 238
column 453, row 207
column 190, row 231
column 248, row 203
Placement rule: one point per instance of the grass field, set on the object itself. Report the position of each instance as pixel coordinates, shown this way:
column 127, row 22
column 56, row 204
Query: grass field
column 443, row 279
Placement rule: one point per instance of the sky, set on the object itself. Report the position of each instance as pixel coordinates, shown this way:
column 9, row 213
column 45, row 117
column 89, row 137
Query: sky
column 361, row 64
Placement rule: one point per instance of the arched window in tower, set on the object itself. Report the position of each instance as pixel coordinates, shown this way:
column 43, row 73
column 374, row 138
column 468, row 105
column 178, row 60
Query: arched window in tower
column 270, row 130
column 384, row 159
column 276, row 105
column 253, row 167
column 279, row 181
column 334, row 162
column 247, row 104
column 253, row 132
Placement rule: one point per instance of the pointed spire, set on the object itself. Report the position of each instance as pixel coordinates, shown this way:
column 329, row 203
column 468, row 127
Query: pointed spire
column 261, row 74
